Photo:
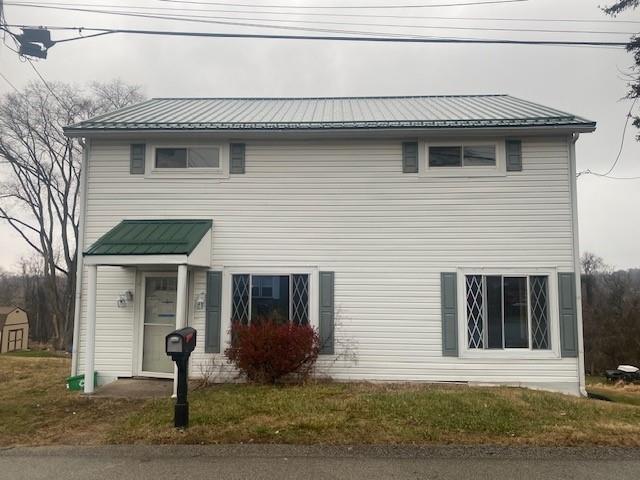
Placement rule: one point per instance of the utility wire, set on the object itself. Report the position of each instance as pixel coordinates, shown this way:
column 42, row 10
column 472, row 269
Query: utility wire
column 307, row 14
column 615, row 162
column 610, row 177
column 318, row 22
column 624, row 132
column 46, row 84
column 335, row 38
column 307, row 29
column 9, row 82
column 355, row 7
column 227, row 23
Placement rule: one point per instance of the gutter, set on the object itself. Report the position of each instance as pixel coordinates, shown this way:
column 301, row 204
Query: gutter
column 80, row 257
column 348, row 132
column 576, row 260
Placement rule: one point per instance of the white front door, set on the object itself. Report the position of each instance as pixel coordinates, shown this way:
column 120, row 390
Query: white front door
column 159, row 310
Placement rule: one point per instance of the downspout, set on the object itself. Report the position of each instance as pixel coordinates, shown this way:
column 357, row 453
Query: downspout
column 576, row 260
column 79, row 257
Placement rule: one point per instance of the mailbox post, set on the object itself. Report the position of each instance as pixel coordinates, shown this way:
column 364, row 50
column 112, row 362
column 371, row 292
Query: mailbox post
column 179, row 345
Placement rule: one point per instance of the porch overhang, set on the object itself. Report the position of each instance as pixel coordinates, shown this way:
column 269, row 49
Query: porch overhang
column 153, row 242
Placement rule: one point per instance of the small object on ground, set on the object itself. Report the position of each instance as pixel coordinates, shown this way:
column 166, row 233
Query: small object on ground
column 76, row 382
column 626, row 373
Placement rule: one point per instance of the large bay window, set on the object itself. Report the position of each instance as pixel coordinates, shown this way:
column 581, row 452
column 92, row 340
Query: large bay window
column 507, row 312
column 281, row 298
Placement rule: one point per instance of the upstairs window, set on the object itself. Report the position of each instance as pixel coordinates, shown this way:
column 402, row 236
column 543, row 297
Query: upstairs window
column 188, row 157
column 507, row 312
column 467, row 155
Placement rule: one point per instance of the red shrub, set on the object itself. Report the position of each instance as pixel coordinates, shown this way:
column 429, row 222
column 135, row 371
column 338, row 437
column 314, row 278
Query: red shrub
column 266, row 351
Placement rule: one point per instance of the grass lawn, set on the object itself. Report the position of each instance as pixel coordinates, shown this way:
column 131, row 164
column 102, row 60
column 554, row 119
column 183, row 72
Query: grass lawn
column 615, row 392
column 36, row 409
column 35, row 353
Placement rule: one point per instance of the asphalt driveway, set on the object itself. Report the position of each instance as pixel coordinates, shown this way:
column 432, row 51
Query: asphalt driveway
column 301, row 462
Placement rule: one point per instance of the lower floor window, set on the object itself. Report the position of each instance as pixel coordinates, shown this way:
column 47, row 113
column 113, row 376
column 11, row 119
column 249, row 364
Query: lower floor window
column 507, row 312
column 280, row 298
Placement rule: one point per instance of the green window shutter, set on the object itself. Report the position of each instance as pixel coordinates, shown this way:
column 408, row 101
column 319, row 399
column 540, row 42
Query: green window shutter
column 513, row 149
column 327, row 312
column 137, row 158
column 449, row 302
column 568, row 315
column 236, row 158
column 213, row 312
column 410, row 157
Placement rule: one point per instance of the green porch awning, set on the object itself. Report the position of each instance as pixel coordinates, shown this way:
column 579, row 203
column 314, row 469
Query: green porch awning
column 151, row 237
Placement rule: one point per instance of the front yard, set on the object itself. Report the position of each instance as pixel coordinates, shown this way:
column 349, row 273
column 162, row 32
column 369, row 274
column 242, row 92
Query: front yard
column 36, row 409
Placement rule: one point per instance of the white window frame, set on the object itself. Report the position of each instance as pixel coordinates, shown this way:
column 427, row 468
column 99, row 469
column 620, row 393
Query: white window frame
column 227, row 291
column 274, row 275
column 511, row 353
column 499, row 169
column 195, row 172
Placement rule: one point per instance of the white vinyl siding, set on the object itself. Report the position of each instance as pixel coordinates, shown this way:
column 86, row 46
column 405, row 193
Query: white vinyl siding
column 345, row 206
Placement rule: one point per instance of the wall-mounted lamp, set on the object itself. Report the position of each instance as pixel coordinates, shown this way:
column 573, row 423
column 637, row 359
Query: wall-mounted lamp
column 200, row 300
column 124, row 298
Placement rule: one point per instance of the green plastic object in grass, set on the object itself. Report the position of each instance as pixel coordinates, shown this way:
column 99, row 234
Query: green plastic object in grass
column 76, row 383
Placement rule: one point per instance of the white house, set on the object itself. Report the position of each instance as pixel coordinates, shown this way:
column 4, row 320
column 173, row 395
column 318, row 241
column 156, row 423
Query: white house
column 431, row 238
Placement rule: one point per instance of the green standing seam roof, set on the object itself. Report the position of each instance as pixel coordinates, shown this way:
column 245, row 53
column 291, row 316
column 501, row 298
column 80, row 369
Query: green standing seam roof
column 331, row 113
column 151, row 237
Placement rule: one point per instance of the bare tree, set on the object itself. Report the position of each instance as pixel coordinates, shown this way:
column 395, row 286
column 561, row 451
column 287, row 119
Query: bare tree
column 41, row 167
column 592, row 264
column 633, row 47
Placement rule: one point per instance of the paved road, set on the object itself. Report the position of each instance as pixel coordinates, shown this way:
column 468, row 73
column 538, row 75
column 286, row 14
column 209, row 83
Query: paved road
column 289, row 462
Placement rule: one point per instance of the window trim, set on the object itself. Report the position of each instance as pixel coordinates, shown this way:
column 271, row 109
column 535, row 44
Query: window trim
column 511, row 353
column 194, row 172
column 227, row 292
column 274, row 275
column 499, row 169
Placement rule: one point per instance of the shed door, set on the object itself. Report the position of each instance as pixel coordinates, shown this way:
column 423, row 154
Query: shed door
column 15, row 340
column 160, row 294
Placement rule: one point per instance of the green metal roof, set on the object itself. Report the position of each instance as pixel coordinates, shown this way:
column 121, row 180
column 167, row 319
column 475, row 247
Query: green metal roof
column 432, row 112
column 151, row 237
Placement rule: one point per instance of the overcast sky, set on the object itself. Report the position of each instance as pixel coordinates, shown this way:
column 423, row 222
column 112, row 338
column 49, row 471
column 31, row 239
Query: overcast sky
column 585, row 81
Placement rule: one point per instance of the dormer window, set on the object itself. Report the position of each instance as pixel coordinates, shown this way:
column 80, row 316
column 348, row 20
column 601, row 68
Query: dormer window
column 187, row 157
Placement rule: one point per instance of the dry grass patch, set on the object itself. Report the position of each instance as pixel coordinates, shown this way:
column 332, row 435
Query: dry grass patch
column 36, row 408
column 374, row 414
column 618, row 392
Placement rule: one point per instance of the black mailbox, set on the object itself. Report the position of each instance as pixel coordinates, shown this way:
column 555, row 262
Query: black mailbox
column 179, row 345
column 181, row 342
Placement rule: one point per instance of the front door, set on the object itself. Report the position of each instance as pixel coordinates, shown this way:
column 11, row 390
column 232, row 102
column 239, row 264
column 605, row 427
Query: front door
column 160, row 294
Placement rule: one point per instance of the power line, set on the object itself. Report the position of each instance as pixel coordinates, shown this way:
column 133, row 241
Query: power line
column 356, row 15
column 46, row 84
column 337, row 31
column 610, row 177
column 615, row 162
column 9, row 82
column 320, row 22
column 624, row 132
column 356, row 7
column 226, row 23
column 336, row 38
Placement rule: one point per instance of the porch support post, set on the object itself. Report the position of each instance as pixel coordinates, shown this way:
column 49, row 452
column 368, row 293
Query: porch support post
column 181, row 313
column 90, row 341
